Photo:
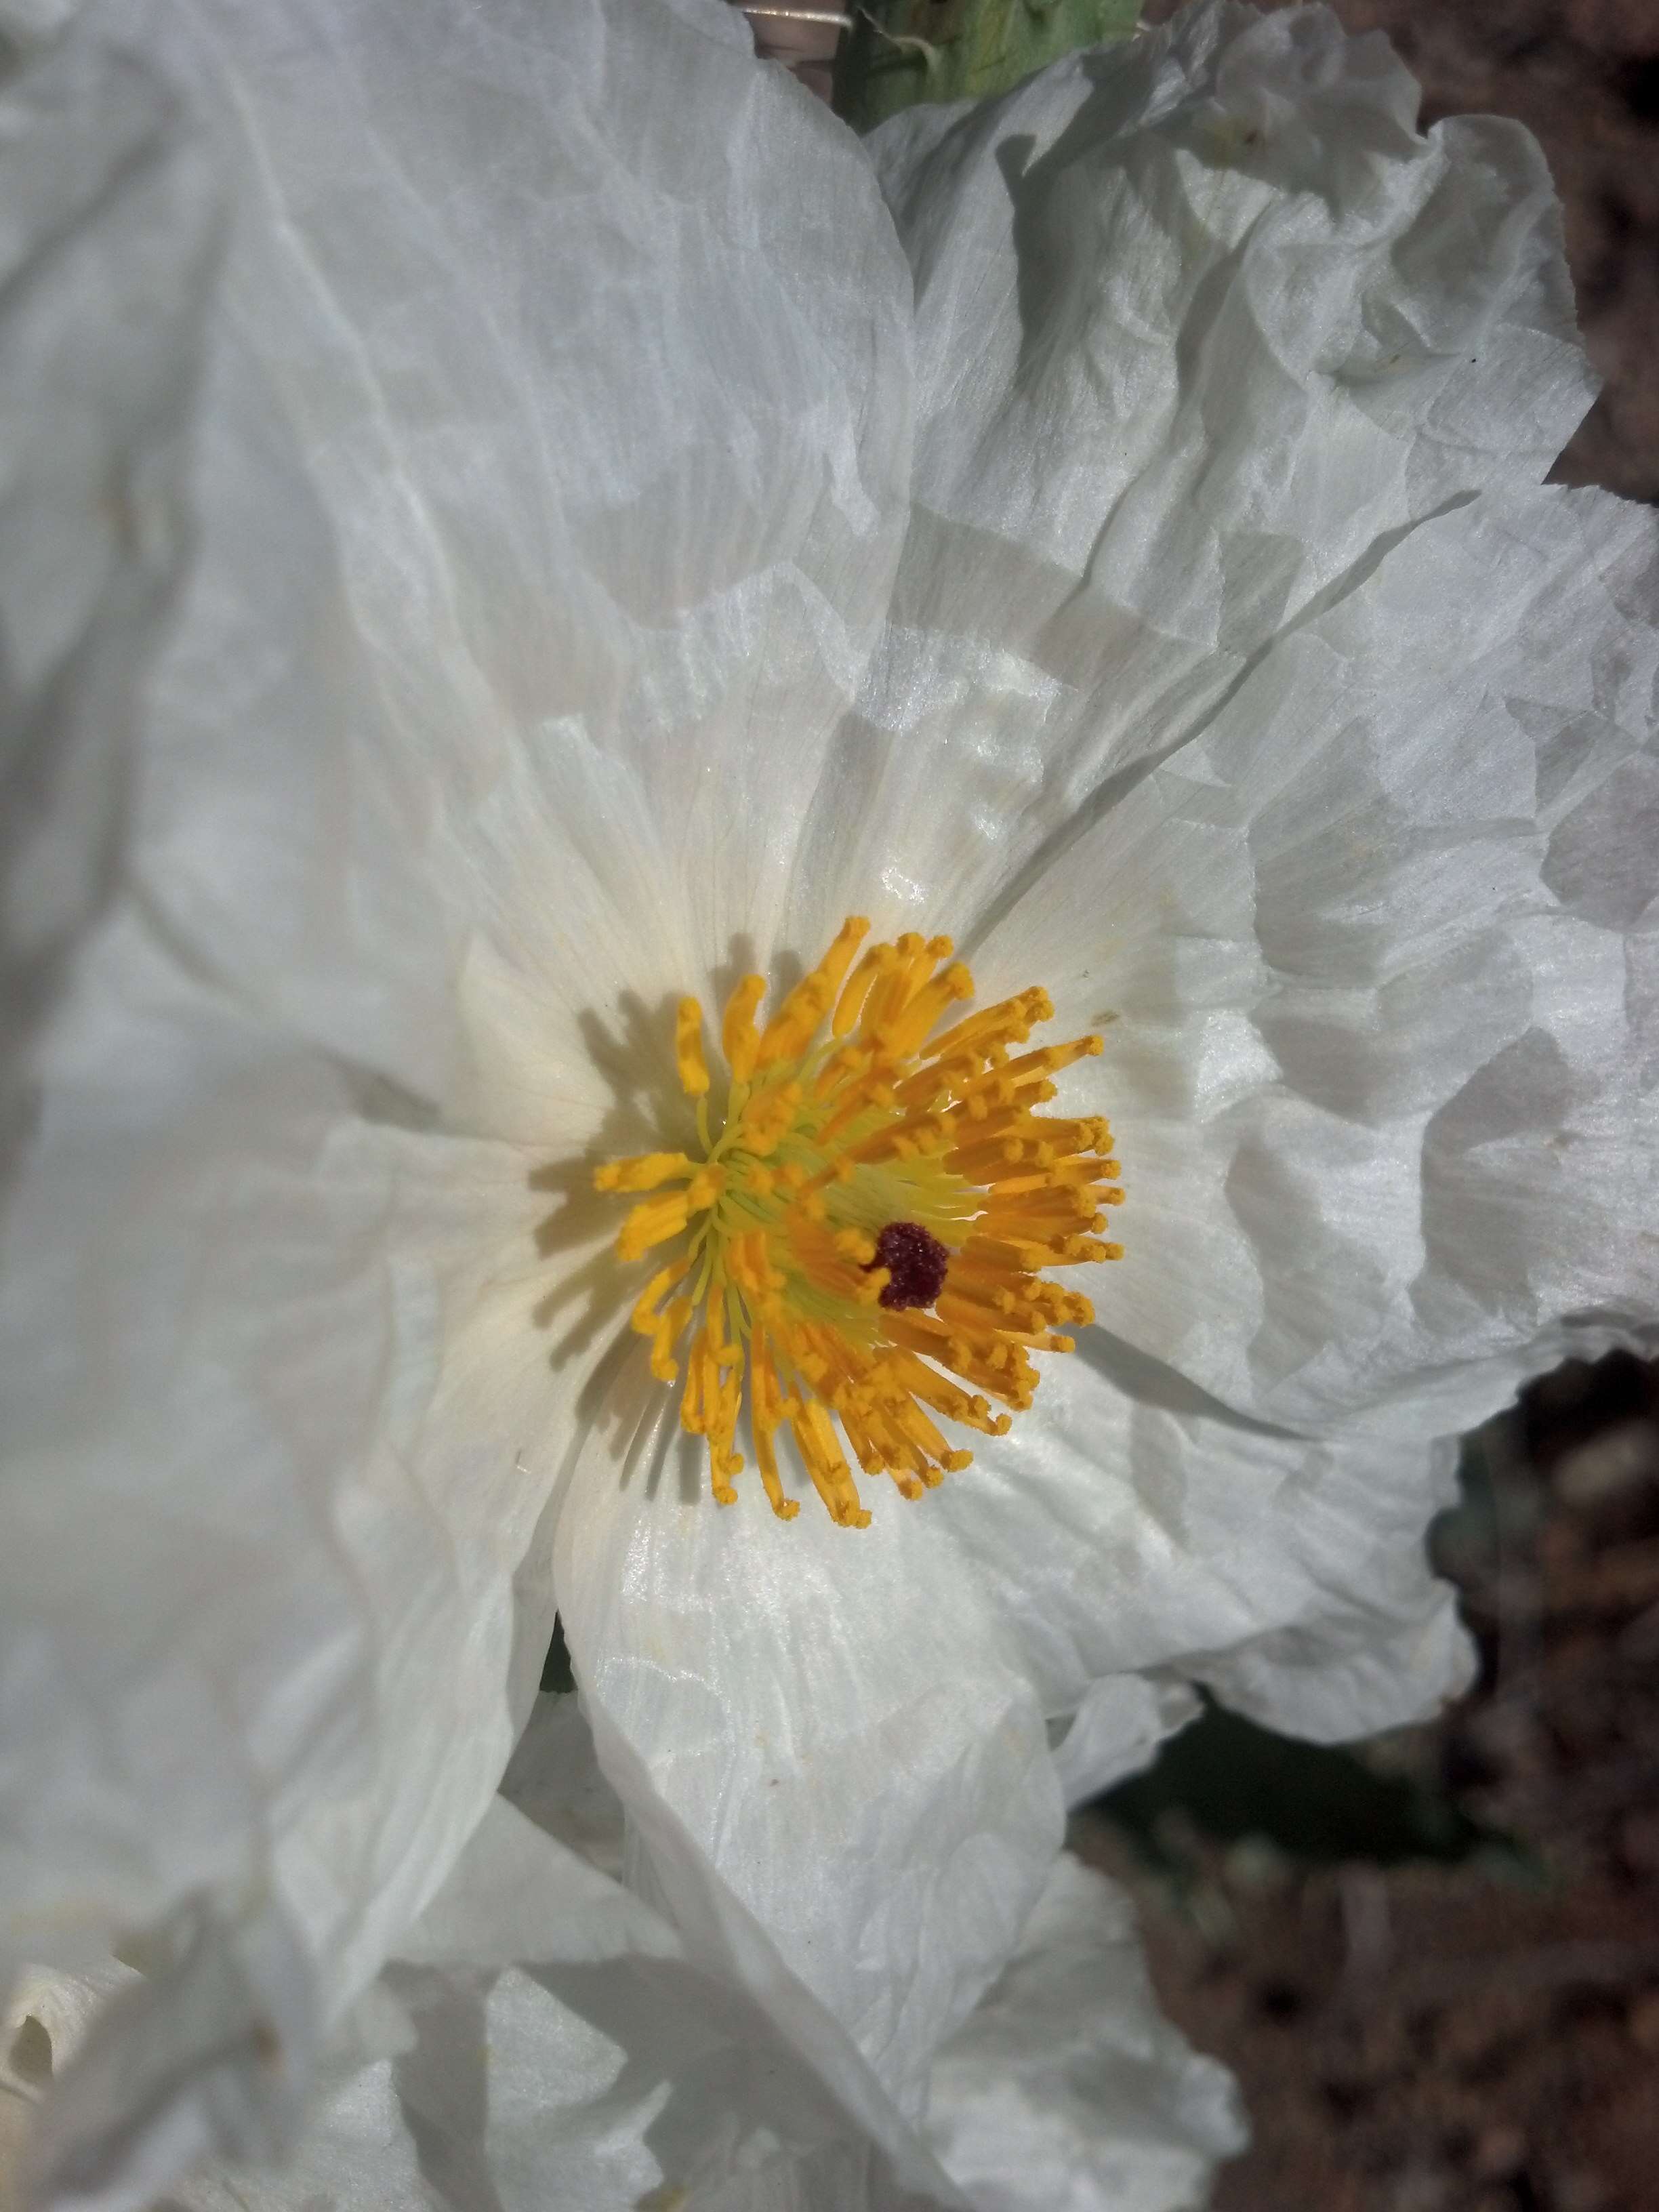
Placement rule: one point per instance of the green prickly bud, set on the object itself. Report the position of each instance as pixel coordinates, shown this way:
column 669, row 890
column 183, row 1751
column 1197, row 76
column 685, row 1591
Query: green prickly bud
column 900, row 52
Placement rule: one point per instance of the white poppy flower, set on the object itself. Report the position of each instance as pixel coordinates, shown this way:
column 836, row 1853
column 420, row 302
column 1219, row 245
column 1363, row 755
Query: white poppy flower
column 627, row 542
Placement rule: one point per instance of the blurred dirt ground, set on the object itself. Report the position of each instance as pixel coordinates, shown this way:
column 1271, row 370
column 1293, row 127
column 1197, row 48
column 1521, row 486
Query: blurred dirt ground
column 1482, row 2036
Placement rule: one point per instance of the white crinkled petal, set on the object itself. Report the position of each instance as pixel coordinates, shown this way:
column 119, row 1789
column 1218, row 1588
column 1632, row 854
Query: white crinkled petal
column 1119, row 1723
column 441, row 1525
column 832, row 1756
column 1128, row 1526
column 280, row 1426
column 529, row 2048
column 1209, row 290
column 1203, row 323
column 554, row 1779
column 46, row 2016
column 1068, row 2091
column 107, row 215
column 554, row 2081
column 536, row 2053
column 193, row 1333
column 473, row 610
column 208, row 2050
column 283, row 836
column 592, row 342
column 1382, row 1093
column 748, row 1677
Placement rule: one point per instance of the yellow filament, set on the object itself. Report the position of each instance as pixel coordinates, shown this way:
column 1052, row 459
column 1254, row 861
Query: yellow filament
column 780, row 1276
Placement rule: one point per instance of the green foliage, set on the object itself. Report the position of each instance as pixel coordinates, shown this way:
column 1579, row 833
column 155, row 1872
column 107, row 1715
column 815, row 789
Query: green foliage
column 1230, row 1779
column 901, row 51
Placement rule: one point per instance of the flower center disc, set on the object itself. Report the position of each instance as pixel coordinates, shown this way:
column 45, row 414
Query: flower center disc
column 876, row 1206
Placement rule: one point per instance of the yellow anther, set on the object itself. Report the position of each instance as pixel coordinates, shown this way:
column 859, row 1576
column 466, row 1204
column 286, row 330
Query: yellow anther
column 666, row 1335
column 651, row 1222
column 688, row 1048
column 980, row 1033
column 704, row 1188
column 768, row 1118
column 644, row 1314
column 858, row 1244
column 644, row 1172
column 766, row 1459
column 782, row 1277
column 751, row 1269
column 739, row 1037
column 793, row 1027
column 910, row 964
column 850, row 1006
column 906, row 1030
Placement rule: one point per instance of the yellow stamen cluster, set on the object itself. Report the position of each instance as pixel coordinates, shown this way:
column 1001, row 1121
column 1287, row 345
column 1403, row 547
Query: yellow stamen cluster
column 781, row 1226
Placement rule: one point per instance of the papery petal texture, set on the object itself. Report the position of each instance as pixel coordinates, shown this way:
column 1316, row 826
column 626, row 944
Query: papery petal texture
column 278, row 1329
column 280, row 1678
column 110, row 209
column 1128, row 1537
column 206, row 2047
column 1365, row 947
column 607, row 517
column 1201, row 322
column 185, row 1229
column 747, row 1681
column 1214, row 350
column 1128, row 1526
column 534, row 2046
column 1067, row 2088
column 534, row 2054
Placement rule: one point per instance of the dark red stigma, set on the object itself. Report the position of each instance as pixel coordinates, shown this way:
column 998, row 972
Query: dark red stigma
column 915, row 1262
